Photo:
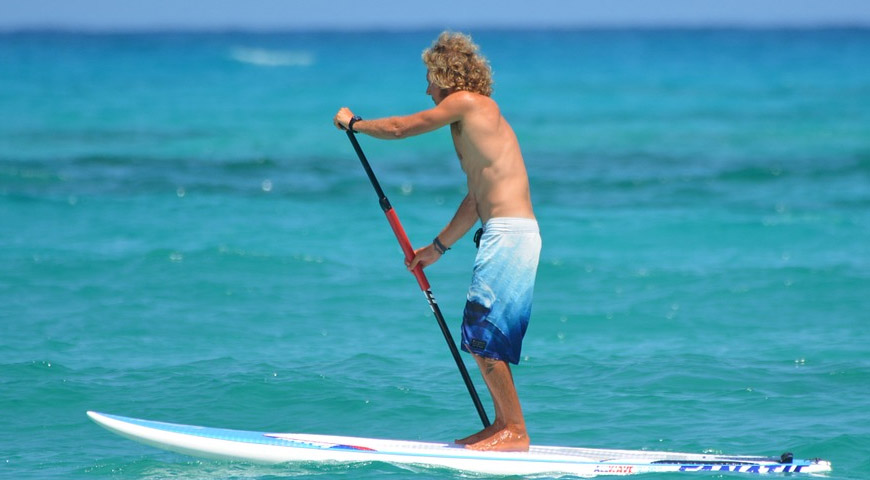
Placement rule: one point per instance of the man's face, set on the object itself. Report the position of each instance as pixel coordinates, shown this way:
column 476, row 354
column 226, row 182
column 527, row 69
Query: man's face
column 437, row 93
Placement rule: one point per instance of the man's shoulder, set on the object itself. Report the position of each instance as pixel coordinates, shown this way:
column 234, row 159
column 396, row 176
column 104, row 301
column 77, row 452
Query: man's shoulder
column 472, row 97
column 472, row 105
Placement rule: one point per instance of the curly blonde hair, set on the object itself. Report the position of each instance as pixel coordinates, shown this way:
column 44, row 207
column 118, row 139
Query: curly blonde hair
column 455, row 62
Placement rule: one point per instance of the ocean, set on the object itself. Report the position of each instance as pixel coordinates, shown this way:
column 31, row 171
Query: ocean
column 184, row 236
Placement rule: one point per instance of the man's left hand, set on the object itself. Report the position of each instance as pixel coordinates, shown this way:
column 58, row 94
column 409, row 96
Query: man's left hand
column 342, row 118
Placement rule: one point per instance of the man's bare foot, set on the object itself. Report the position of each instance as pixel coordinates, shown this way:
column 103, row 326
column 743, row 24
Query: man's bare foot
column 486, row 432
column 508, row 439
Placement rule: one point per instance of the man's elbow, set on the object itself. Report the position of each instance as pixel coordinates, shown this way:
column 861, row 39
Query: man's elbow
column 397, row 130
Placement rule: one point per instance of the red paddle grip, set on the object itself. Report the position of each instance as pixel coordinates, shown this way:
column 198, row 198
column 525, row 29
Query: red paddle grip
column 407, row 249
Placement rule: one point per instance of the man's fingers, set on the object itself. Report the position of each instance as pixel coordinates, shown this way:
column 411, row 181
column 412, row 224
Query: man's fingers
column 414, row 262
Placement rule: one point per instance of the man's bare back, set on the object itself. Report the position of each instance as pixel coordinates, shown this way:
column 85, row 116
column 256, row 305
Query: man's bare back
column 491, row 159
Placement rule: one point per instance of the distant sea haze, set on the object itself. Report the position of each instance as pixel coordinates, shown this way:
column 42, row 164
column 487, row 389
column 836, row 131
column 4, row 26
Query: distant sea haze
column 272, row 58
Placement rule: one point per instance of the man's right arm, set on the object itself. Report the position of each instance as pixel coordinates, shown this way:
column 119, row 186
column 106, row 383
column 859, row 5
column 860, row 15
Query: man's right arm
column 450, row 110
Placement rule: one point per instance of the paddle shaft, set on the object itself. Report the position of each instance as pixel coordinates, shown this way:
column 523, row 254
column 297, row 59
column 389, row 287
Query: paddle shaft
column 405, row 243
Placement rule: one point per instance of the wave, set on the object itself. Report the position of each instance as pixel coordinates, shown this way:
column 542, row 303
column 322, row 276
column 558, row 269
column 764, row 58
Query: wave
column 272, row 58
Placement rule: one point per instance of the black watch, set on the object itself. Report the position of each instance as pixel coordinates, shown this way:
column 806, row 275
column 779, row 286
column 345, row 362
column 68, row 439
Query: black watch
column 353, row 120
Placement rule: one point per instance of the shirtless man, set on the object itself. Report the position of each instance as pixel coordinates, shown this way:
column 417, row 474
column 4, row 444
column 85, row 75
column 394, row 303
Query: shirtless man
column 500, row 296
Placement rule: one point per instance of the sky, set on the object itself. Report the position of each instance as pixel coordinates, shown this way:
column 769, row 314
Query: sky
column 114, row 15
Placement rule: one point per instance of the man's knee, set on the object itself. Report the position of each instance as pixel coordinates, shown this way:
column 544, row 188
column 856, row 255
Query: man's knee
column 488, row 364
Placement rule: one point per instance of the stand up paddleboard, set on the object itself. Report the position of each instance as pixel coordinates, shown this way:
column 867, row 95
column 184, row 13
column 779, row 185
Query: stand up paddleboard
column 275, row 448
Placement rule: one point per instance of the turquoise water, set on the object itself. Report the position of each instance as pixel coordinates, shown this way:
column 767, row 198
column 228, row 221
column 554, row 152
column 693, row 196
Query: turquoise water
column 185, row 237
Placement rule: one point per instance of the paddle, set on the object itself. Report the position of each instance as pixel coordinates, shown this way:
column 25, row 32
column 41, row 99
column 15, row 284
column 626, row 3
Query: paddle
column 402, row 237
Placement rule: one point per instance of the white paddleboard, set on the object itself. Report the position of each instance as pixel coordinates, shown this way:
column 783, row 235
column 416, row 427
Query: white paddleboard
column 275, row 448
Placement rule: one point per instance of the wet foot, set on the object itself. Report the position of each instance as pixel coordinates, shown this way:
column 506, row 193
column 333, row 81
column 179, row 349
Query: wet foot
column 486, row 432
column 508, row 439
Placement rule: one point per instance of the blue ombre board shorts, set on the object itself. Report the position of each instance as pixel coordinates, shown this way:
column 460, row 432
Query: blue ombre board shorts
column 499, row 300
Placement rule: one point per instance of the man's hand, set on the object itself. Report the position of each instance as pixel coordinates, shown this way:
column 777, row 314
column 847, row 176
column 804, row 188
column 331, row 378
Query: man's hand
column 424, row 257
column 342, row 118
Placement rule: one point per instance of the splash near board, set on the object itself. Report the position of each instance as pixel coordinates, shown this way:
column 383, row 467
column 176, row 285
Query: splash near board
column 275, row 448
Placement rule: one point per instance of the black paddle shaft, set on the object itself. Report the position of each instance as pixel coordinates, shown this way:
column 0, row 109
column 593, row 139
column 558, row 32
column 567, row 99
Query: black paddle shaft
column 405, row 243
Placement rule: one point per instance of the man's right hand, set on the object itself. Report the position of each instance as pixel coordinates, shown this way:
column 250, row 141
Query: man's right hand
column 342, row 118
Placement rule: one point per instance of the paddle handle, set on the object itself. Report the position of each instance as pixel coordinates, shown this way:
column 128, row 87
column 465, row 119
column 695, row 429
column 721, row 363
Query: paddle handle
column 395, row 224
column 407, row 249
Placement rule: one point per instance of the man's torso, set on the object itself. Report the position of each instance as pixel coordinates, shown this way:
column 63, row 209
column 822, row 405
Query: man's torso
column 491, row 158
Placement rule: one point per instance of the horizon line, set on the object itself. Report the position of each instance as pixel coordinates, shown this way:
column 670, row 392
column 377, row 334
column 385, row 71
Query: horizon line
column 604, row 26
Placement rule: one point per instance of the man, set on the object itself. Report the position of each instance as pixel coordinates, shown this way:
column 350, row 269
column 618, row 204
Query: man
column 499, row 298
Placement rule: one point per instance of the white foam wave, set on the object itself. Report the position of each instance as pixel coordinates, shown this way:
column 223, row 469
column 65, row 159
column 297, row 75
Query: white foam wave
column 272, row 58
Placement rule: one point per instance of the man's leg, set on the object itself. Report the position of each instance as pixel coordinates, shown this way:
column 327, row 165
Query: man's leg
column 508, row 432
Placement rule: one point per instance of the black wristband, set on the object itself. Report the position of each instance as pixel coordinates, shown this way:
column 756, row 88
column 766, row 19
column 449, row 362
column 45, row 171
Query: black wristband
column 353, row 120
column 439, row 247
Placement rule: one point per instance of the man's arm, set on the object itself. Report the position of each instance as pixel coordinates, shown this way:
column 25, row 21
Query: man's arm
column 450, row 110
column 462, row 221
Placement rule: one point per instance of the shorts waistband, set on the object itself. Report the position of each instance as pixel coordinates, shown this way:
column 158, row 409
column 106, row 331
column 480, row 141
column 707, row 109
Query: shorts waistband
column 511, row 224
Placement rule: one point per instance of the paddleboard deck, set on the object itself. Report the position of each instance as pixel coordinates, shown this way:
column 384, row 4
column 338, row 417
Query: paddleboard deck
column 276, row 448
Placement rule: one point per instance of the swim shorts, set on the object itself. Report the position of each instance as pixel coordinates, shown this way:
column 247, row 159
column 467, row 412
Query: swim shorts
column 499, row 300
